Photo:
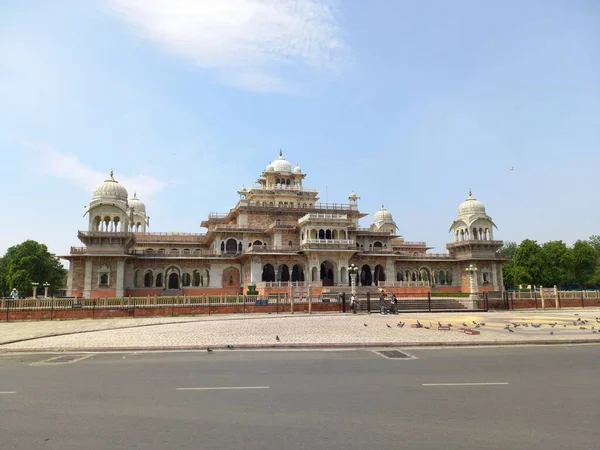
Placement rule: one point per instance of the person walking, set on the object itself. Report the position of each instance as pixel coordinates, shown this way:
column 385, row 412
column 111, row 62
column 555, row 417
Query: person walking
column 353, row 304
column 382, row 307
column 394, row 305
column 14, row 294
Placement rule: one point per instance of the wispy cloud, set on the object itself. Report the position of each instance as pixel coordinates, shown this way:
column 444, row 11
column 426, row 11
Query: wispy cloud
column 248, row 43
column 68, row 167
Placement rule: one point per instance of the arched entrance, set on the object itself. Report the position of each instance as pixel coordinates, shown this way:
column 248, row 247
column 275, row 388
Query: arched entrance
column 268, row 273
column 315, row 274
column 231, row 277
column 327, row 273
column 297, row 273
column 379, row 274
column 283, row 273
column 174, row 280
column 231, row 246
column 366, row 277
column 343, row 275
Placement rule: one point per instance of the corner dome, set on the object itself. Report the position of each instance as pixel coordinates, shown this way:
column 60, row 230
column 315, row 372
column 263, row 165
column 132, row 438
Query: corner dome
column 353, row 196
column 269, row 168
column 471, row 206
column 110, row 189
column 281, row 164
column 383, row 214
column 137, row 205
column 297, row 169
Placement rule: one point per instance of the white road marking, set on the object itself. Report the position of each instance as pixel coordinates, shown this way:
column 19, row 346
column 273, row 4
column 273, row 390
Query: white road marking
column 8, row 392
column 221, row 388
column 465, row 384
column 56, row 360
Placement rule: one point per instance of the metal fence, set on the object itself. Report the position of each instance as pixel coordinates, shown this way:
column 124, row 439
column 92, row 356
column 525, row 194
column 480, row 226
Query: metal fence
column 537, row 300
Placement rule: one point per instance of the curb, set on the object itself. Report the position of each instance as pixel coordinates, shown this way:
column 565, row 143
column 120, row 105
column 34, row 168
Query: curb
column 307, row 346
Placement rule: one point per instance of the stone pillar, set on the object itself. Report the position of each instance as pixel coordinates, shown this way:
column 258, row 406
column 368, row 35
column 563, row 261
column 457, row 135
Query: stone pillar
column 339, row 275
column 255, row 271
column 70, row 278
column 120, row 291
column 87, row 279
column 372, row 275
column 495, row 276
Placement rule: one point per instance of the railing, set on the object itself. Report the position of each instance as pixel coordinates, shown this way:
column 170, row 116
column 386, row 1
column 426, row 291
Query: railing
column 432, row 256
column 191, row 254
column 106, row 233
column 237, row 227
column 78, row 250
column 323, row 216
column 284, row 284
column 214, row 215
column 376, row 250
column 169, row 237
column 474, row 241
column 404, row 284
column 273, row 249
column 282, row 187
column 283, row 224
column 328, row 241
column 402, row 243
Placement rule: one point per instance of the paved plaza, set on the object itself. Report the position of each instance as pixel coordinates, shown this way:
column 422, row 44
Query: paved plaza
column 297, row 330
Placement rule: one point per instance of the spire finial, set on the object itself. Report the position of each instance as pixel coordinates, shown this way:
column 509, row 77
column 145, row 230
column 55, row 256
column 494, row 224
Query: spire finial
column 470, row 193
column 135, row 195
column 280, row 152
column 112, row 172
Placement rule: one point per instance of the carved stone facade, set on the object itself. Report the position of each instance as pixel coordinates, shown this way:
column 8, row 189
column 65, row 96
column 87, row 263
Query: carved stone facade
column 277, row 234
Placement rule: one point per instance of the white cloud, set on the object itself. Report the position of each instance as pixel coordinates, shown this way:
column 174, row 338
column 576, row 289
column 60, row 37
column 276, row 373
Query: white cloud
column 68, row 167
column 246, row 42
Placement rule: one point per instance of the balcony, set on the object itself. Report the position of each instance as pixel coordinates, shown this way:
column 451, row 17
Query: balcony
column 78, row 250
column 273, row 249
column 320, row 217
column 169, row 237
column 475, row 242
column 285, row 284
column 329, row 243
column 282, row 187
column 204, row 253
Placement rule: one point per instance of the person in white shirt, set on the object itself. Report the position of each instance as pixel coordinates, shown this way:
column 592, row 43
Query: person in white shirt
column 14, row 294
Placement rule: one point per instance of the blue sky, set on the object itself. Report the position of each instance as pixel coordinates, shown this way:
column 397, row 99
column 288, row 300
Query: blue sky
column 409, row 103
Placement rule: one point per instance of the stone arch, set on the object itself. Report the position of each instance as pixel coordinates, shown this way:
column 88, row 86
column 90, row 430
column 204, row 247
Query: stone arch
column 328, row 234
column 377, row 244
column 283, row 273
column 342, row 234
column 379, row 274
column 173, row 280
column 400, row 275
column 204, row 278
column 321, row 234
column 424, row 274
column 268, row 273
column 231, row 246
column 366, row 277
column 441, row 277
column 159, row 280
column 231, row 277
column 327, row 274
column 343, row 275
column 97, row 223
column 449, row 277
column 315, row 274
column 148, row 278
column 186, row 279
column 297, row 273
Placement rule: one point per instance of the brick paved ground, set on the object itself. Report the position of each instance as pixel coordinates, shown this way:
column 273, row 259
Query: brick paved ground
column 249, row 330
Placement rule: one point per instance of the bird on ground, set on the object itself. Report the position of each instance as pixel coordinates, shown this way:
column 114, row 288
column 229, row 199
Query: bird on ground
column 465, row 324
column 553, row 324
column 209, row 350
column 482, row 324
column 474, row 323
column 401, row 324
column 277, row 338
column 418, row 323
column 229, row 346
column 510, row 330
column 477, row 326
column 564, row 326
column 594, row 331
column 387, row 325
column 536, row 325
column 552, row 332
column 365, row 324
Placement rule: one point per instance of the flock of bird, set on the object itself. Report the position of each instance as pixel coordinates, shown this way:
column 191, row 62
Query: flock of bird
column 579, row 323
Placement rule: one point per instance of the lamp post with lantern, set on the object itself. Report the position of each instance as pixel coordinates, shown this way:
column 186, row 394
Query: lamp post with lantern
column 46, row 287
column 34, row 286
column 472, row 272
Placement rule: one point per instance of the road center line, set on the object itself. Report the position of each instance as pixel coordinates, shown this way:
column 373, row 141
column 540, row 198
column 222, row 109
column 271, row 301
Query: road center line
column 8, row 392
column 465, row 384
column 221, row 388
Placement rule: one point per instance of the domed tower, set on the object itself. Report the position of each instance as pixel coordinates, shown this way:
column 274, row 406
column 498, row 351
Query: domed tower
column 472, row 222
column 137, row 215
column 108, row 209
column 383, row 221
column 473, row 243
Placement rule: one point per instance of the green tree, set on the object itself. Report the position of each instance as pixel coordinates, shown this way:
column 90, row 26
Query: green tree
column 558, row 264
column 508, row 250
column 595, row 242
column 585, row 262
column 508, row 273
column 30, row 262
column 529, row 262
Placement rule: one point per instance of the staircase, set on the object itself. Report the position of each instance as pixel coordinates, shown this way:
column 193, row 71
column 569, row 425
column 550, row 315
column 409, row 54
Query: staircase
column 171, row 293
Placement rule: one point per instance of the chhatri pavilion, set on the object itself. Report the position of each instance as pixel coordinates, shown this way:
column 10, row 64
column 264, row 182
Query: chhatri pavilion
column 277, row 236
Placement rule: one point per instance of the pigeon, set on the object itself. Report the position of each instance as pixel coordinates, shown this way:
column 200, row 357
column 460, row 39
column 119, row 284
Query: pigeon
column 387, row 325
column 582, row 328
column 477, row 326
column 511, row 330
column 474, row 323
column 465, row 324
column 482, row 324
column 552, row 332
column 277, row 338
column 553, row 324
column 594, row 331
column 229, row 346
column 400, row 324
column 209, row 350
column 365, row 324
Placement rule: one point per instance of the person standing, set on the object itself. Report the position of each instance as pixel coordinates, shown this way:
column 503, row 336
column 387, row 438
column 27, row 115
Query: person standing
column 382, row 308
column 14, row 294
column 353, row 304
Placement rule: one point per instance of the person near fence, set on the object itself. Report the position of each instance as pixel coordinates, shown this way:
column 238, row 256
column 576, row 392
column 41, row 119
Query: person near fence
column 394, row 303
column 382, row 306
column 14, row 294
column 353, row 304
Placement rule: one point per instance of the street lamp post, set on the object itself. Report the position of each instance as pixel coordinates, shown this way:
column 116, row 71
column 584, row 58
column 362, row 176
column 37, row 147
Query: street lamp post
column 472, row 272
column 35, row 285
column 46, row 287
column 353, row 272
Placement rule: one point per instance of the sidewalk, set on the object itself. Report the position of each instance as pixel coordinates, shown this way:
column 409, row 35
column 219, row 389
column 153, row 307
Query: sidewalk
column 299, row 330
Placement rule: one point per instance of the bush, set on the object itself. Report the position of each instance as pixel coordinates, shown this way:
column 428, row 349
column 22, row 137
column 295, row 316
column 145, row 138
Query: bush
column 251, row 290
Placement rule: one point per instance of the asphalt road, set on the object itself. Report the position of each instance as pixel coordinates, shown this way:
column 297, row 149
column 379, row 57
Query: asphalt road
column 545, row 398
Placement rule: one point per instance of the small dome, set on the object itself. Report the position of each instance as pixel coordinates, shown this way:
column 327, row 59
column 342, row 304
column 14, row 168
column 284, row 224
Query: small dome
column 471, row 206
column 353, row 196
column 269, row 168
column 383, row 214
column 137, row 205
column 297, row 169
column 110, row 189
column 281, row 164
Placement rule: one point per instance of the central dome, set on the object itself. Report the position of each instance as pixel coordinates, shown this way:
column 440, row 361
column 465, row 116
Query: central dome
column 471, row 206
column 383, row 214
column 281, row 164
column 110, row 190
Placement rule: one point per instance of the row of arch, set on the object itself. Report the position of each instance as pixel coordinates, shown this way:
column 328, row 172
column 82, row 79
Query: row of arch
column 171, row 278
column 436, row 276
column 283, row 273
column 324, row 234
column 465, row 234
column 114, row 224
column 283, row 204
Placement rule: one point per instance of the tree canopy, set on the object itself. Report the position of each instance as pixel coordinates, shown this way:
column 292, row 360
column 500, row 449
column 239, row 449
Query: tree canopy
column 553, row 263
column 30, row 262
